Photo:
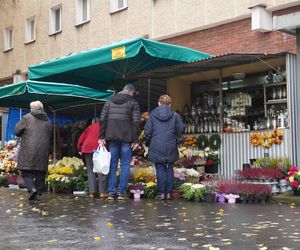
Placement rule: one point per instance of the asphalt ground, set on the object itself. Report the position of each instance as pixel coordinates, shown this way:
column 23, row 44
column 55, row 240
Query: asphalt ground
column 76, row 222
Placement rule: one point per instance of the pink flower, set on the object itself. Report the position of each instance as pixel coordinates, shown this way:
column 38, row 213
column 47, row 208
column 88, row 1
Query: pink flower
column 293, row 169
column 294, row 184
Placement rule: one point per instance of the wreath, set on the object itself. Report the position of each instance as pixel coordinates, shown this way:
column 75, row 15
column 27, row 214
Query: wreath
column 203, row 142
column 256, row 139
column 277, row 137
column 215, row 141
column 267, row 140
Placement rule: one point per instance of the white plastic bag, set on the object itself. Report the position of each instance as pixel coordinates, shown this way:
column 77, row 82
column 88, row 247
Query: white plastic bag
column 101, row 160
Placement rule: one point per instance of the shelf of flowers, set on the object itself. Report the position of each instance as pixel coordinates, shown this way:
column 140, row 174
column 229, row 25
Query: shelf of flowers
column 9, row 175
column 268, row 171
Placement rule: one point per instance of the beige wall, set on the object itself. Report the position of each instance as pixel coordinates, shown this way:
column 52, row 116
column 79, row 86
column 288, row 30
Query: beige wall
column 180, row 93
column 154, row 18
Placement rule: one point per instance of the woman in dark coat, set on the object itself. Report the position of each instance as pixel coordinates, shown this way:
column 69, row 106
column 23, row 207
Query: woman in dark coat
column 162, row 131
column 35, row 131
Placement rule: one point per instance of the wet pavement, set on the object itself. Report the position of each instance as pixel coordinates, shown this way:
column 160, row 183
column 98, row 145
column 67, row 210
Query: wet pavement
column 70, row 222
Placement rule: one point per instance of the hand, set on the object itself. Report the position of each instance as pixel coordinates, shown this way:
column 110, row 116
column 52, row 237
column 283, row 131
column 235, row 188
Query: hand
column 101, row 142
column 134, row 145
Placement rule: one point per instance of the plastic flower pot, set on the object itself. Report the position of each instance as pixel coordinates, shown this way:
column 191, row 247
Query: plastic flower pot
column 175, row 194
column 231, row 198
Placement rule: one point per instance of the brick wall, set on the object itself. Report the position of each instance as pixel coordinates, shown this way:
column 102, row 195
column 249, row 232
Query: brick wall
column 236, row 37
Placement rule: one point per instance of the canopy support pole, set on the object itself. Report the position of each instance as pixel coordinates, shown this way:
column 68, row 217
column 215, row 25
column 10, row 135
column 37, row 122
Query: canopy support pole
column 149, row 93
column 54, row 137
column 20, row 112
column 95, row 112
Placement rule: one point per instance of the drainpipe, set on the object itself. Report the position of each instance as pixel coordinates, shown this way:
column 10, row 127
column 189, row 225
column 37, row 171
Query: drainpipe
column 297, row 156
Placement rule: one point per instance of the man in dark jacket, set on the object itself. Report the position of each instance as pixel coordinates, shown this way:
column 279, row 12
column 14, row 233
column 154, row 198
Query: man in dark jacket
column 35, row 132
column 163, row 130
column 119, row 121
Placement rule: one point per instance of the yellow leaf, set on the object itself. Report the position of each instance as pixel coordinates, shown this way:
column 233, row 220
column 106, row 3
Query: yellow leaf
column 109, row 224
column 52, row 241
column 181, row 239
column 21, row 205
column 97, row 238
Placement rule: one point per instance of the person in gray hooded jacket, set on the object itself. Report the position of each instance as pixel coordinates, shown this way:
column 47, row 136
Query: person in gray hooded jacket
column 35, row 131
column 163, row 131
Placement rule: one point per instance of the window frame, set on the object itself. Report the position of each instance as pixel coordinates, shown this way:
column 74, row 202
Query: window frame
column 8, row 39
column 30, row 37
column 114, row 6
column 79, row 12
column 52, row 19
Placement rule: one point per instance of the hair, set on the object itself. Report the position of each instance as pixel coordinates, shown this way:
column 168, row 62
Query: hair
column 36, row 105
column 129, row 88
column 165, row 99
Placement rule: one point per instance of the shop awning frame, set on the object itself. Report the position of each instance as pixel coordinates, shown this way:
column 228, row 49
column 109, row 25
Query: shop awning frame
column 212, row 63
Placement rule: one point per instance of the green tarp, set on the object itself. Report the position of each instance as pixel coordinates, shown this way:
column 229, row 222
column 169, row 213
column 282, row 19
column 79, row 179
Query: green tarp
column 55, row 96
column 101, row 67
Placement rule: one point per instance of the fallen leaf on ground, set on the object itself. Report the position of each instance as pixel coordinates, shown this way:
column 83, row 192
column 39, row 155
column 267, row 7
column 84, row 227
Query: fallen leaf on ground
column 97, row 238
column 109, row 224
column 52, row 241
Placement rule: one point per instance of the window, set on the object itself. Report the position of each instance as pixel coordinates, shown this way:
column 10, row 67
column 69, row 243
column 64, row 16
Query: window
column 116, row 5
column 82, row 11
column 55, row 20
column 30, row 29
column 8, row 38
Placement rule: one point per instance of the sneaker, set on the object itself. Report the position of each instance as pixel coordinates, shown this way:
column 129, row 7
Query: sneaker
column 122, row 197
column 111, row 197
column 91, row 195
column 103, row 195
column 168, row 196
column 160, row 197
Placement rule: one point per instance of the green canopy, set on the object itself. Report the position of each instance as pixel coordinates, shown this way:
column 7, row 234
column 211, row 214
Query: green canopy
column 55, row 96
column 101, row 67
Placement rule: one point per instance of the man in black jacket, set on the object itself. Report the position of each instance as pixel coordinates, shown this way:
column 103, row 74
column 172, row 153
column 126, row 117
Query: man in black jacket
column 119, row 121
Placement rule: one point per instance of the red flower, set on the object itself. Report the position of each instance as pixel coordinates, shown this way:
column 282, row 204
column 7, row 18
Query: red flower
column 294, row 184
column 210, row 162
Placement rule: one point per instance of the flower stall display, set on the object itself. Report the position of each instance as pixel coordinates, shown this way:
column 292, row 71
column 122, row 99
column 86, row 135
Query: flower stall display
column 293, row 179
column 67, row 175
column 192, row 191
column 8, row 165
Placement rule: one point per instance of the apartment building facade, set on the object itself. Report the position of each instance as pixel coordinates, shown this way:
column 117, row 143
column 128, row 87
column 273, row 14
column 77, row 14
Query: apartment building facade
column 33, row 31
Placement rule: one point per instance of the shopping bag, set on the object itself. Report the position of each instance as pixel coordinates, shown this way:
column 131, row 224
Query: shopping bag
column 101, row 160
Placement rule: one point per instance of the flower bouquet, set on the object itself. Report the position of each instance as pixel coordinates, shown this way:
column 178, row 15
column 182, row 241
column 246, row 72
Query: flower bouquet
column 137, row 190
column 150, row 190
column 293, row 179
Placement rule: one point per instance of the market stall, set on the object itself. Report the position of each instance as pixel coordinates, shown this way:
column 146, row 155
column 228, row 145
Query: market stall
column 239, row 97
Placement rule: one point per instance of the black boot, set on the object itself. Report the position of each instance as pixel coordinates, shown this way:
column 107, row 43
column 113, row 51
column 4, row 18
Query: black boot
column 32, row 194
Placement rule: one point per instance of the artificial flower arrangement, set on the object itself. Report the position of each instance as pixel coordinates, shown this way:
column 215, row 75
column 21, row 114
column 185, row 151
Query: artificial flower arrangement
column 293, row 179
column 266, row 140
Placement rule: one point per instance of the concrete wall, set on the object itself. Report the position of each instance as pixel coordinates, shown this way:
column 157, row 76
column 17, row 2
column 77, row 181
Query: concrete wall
column 157, row 19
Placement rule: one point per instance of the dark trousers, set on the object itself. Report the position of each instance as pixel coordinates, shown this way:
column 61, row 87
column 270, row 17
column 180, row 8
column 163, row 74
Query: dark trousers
column 34, row 179
column 165, row 177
